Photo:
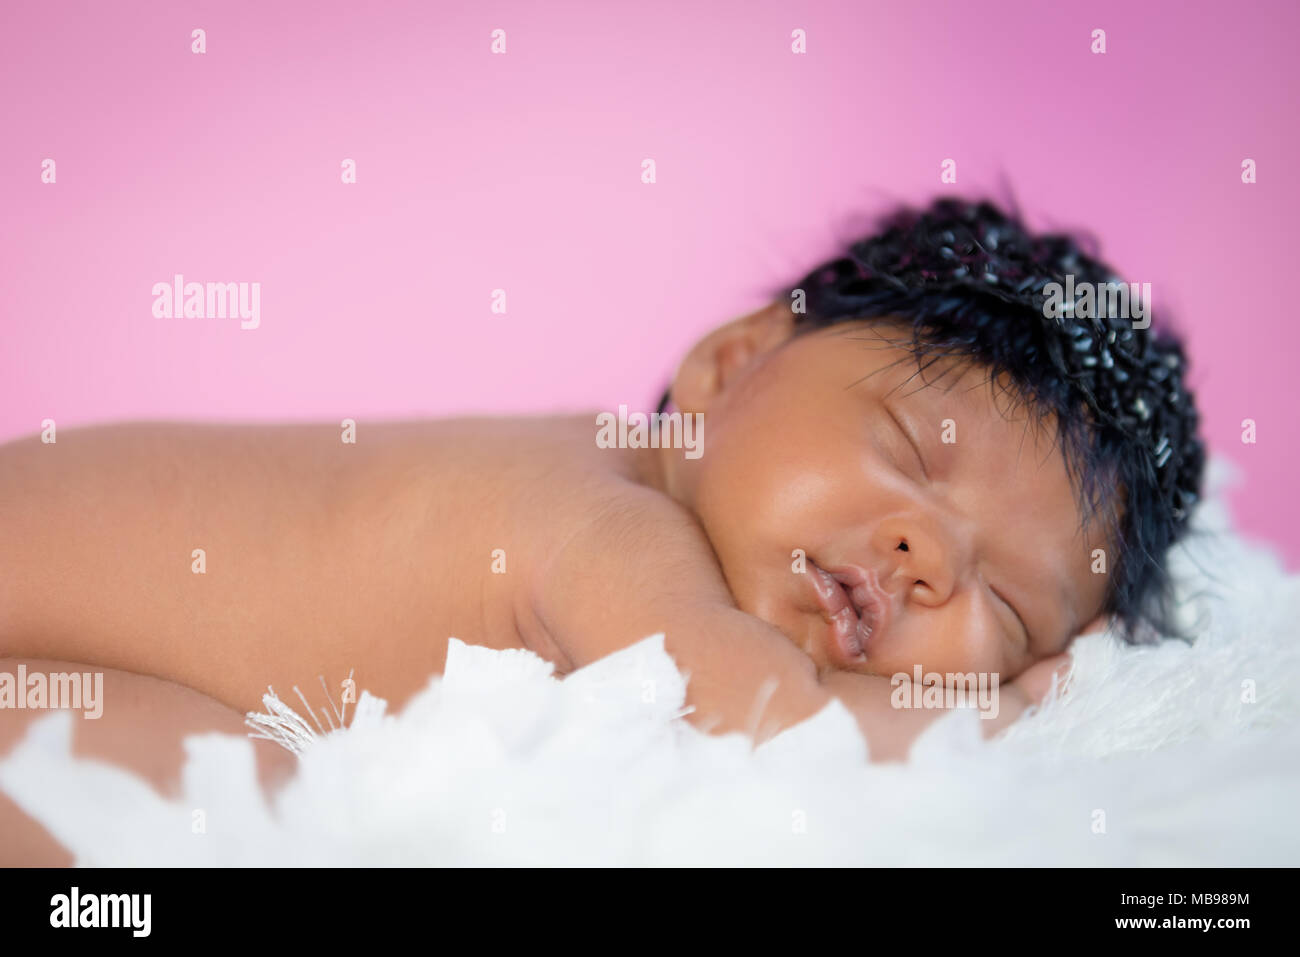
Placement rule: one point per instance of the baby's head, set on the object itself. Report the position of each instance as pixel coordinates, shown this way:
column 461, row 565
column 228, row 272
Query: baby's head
column 905, row 450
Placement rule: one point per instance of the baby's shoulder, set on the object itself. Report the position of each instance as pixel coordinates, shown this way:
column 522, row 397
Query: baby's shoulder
column 586, row 495
column 628, row 537
column 586, row 517
column 631, row 563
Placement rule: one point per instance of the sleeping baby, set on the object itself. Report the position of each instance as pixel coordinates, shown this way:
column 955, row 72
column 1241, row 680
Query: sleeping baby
column 917, row 462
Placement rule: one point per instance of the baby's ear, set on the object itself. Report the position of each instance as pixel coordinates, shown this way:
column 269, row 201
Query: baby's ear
column 716, row 360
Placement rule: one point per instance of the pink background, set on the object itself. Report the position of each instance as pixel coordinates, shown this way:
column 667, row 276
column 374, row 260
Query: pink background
column 522, row 172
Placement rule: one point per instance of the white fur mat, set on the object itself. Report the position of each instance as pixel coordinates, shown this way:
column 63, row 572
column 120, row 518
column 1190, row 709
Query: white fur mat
column 1159, row 756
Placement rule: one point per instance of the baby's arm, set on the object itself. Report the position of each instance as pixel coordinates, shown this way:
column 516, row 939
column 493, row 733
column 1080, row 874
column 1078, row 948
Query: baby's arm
column 225, row 558
column 640, row 568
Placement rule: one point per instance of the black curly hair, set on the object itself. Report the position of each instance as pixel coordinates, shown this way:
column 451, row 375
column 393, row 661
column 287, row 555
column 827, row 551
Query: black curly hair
column 972, row 281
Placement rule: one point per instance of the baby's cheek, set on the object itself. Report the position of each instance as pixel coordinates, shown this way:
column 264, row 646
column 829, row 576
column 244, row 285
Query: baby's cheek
column 959, row 636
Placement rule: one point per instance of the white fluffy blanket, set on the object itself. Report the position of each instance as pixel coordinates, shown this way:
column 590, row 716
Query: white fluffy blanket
column 1171, row 755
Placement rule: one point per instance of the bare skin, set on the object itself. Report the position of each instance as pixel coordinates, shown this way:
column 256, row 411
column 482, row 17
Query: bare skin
column 143, row 732
column 324, row 558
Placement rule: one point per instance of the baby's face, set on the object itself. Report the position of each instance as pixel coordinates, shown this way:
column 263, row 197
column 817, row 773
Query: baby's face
column 854, row 502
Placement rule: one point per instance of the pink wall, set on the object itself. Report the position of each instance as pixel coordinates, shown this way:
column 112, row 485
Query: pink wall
column 522, row 172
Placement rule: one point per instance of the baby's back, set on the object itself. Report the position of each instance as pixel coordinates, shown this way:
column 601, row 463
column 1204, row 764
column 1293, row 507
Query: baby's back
column 232, row 557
